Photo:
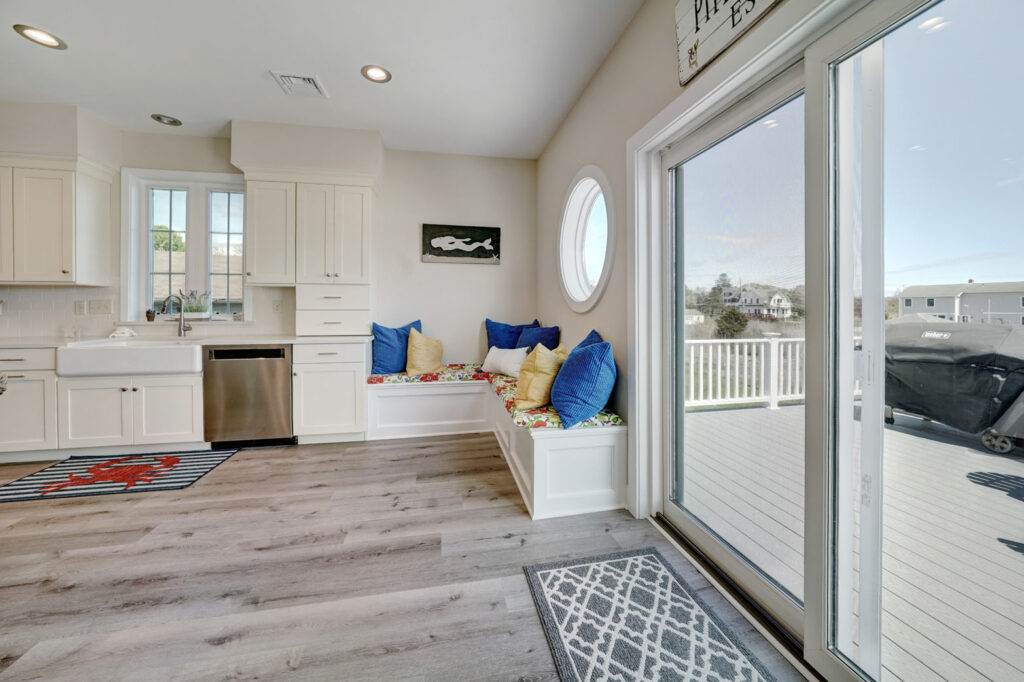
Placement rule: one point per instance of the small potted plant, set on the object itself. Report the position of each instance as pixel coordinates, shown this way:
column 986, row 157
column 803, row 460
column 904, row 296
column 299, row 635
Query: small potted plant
column 195, row 305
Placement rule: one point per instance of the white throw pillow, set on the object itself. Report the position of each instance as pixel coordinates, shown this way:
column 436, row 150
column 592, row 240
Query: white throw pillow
column 505, row 360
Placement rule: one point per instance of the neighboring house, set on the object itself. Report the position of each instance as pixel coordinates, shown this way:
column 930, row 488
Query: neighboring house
column 693, row 316
column 988, row 302
column 758, row 302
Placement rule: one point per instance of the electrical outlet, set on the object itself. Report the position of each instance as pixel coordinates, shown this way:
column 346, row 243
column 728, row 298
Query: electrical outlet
column 275, row 306
column 100, row 306
column 79, row 307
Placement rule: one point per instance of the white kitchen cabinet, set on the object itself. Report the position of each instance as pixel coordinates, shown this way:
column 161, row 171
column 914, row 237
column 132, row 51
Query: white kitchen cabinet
column 94, row 412
column 28, row 412
column 329, row 389
column 141, row 410
column 270, row 233
column 6, row 224
column 44, row 234
column 332, row 234
column 167, row 409
column 55, row 222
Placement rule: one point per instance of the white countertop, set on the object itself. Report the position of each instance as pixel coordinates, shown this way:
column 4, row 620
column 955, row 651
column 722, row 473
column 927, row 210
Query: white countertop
column 221, row 340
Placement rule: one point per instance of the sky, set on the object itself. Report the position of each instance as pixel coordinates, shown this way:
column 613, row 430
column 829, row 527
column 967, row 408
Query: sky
column 953, row 164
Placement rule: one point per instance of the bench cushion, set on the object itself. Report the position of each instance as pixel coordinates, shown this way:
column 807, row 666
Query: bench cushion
column 455, row 372
column 542, row 417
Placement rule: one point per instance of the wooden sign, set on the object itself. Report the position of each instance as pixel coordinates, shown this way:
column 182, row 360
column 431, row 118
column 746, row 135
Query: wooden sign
column 704, row 28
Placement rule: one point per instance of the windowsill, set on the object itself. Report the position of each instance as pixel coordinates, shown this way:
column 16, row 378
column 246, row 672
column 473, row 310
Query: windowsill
column 195, row 323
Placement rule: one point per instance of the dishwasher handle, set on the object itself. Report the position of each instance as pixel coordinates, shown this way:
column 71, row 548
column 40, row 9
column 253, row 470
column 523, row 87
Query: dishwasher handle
column 248, row 353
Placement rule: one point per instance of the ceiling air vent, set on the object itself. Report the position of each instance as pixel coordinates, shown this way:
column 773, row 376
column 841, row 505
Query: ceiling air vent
column 299, row 85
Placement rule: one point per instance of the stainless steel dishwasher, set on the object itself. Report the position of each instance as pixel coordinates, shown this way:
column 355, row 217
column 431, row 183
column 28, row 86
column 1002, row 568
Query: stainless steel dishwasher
column 247, row 392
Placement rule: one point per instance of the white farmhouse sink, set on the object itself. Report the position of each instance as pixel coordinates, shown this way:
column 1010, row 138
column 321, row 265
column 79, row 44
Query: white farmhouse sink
column 107, row 357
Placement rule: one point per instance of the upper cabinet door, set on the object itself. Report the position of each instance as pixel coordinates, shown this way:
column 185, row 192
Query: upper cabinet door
column 270, row 232
column 6, row 225
column 351, row 235
column 314, row 238
column 44, row 229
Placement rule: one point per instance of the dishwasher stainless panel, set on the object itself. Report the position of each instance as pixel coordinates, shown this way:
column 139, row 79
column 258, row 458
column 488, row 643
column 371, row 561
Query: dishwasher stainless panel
column 247, row 392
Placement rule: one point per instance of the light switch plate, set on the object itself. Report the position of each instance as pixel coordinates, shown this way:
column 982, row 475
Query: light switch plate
column 100, row 306
column 79, row 307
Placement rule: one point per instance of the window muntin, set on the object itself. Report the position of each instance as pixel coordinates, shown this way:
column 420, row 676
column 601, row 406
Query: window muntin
column 586, row 241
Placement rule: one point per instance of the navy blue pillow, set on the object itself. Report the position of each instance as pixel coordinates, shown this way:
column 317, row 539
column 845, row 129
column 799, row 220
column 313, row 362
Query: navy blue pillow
column 592, row 337
column 584, row 383
column 501, row 335
column 531, row 336
column 390, row 345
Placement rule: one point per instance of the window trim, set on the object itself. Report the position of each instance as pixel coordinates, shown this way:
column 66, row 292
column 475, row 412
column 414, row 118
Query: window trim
column 908, row 303
column 929, row 303
column 575, row 213
column 136, row 184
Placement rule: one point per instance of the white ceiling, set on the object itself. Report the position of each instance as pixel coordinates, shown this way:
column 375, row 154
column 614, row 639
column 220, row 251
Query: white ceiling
column 483, row 77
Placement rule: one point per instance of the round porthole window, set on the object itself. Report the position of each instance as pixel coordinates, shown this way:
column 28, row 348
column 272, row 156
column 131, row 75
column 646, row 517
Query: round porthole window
column 587, row 239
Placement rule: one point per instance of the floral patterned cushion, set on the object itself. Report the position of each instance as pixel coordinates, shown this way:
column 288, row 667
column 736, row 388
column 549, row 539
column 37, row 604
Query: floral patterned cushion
column 459, row 372
column 542, row 417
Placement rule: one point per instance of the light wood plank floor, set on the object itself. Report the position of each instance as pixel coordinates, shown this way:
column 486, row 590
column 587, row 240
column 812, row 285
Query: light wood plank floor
column 388, row 560
column 953, row 533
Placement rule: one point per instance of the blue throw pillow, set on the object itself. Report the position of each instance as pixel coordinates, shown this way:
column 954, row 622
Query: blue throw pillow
column 584, row 383
column 531, row 336
column 592, row 337
column 501, row 335
column 390, row 344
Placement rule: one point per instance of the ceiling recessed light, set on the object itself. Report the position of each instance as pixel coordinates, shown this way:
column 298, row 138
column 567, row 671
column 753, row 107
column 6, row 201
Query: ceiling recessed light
column 166, row 120
column 40, row 37
column 377, row 74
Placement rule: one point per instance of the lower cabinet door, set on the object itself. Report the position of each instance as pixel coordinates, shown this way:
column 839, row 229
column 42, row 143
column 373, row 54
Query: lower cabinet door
column 28, row 412
column 167, row 409
column 94, row 412
column 329, row 398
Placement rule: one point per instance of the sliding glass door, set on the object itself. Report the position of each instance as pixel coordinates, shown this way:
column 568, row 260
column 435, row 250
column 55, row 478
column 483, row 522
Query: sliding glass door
column 737, row 484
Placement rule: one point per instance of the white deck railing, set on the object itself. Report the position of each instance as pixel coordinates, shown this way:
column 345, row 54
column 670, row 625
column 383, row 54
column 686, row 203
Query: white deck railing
column 743, row 371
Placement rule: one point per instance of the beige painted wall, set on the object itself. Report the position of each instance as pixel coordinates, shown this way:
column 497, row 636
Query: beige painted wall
column 453, row 299
column 637, row 80
column 281, row 146
column 160, row 151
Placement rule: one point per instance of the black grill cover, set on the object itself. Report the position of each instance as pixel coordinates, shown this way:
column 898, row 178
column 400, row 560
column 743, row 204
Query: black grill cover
column 963, row 375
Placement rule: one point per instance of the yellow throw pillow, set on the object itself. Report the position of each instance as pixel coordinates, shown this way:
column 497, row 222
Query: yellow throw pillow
column 537, row 375
column 423, row 356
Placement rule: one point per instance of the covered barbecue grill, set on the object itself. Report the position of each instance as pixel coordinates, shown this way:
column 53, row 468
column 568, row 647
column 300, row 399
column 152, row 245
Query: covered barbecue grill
column 968, row 376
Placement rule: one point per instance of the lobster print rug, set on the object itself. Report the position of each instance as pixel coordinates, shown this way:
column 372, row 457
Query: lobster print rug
column 105, row 475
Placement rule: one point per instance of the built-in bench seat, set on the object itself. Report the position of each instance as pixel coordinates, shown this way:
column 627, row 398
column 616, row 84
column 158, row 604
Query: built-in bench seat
column 559, row 471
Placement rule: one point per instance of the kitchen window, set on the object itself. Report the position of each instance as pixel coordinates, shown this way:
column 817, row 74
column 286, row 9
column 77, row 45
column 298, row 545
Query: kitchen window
column 185, row 233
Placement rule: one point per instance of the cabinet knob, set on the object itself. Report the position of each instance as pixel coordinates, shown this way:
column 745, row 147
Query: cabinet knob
column 135, row 389
column 295, row 374
column 248, row 274
column 65, row 272
column 124, row 390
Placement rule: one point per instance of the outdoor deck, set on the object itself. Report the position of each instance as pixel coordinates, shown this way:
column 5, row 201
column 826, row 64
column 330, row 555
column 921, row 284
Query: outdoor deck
column 953, row 539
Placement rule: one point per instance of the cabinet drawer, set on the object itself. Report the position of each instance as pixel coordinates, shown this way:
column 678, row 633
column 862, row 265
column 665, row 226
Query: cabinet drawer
column 331, row 322
column 317, row 353
column 14, row 359
column 332, row 297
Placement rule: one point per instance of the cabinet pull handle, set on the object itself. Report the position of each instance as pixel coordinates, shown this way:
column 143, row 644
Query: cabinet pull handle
column 15, row 376
column 65, row 272
column 12, row 359
column 333, row 297
column 334, row 353
column 332, row 322
column 334, row 275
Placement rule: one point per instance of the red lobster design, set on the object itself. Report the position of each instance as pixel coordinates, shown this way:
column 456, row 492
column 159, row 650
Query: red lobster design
column 110, row 472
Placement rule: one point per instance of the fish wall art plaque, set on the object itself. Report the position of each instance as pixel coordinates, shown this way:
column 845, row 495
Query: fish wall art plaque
column 461, row 244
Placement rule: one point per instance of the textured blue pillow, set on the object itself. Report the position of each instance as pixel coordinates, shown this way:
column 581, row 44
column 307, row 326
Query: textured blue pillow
column 584, row 383
column 531, row 336
column 503, row 335
column 592, row 337
column 390, row 345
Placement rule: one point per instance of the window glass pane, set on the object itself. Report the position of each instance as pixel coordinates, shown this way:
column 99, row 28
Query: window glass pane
column 237, row 211
column 739, row 452
column 179, row 211
column 161, row 253
column 595, row 241
column 219, row 291
column 218, row 211
column 177, row 254
column 235, row 254
column 160, row 201
column 177, row 284
column 218, row 253
column 161, row 287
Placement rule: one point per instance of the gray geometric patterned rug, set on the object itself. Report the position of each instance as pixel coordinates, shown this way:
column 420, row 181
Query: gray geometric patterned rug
column 630, row 616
